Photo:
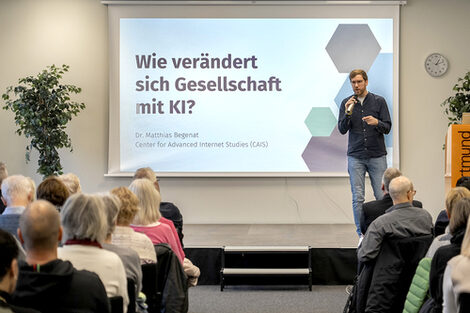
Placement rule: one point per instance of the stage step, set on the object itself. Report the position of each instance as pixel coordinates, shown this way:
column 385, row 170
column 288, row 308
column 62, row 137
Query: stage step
column 265, row 261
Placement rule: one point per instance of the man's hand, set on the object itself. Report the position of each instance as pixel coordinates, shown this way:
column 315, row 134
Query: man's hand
column 350, row 102
column 370, row 120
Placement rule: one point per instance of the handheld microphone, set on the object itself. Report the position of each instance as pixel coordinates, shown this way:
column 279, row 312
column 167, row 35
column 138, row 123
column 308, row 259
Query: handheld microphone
column 351, row 107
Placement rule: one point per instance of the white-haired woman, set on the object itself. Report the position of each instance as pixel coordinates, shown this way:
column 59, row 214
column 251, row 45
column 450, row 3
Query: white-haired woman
column 146, row 220
column 84, row 222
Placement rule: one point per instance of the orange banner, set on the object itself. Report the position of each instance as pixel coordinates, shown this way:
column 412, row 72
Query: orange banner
column 460, row 151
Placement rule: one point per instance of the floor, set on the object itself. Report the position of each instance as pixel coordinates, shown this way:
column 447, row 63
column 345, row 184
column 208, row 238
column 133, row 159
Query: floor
column 314, row 235
column 253, row 299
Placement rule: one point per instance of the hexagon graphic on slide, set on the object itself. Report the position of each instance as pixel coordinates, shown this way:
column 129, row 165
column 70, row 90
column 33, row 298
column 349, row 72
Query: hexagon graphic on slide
column 327, row 154
column 320, row 121
column 352, row 46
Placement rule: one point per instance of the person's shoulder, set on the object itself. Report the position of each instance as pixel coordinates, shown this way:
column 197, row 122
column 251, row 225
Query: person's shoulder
column 377, row 98
column 121, row 251
column 417, row 204
column 169, row 208
column 87, row 277
column 141, row 237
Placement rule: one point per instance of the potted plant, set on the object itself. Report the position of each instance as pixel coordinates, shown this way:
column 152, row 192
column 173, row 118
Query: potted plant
column 42, row 109
column 459, row 103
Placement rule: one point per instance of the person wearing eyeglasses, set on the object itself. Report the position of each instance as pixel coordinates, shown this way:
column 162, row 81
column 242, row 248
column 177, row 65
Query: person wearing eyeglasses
column 402, row 220
column 373, row 209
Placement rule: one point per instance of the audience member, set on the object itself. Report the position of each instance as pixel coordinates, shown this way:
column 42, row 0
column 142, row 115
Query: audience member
column 124, row 235
column 147, row 219
column 85, row 225
column 373, row 209
column 32, row 191
column 453, row 196
column 9, row 273
column 16, row 195
column 401, row 221
column 456, row 281
column 457, row 225
column 72, row 182
column 130, row 258
column 53, row 190
column 45, row 282
column 3, row 175
column 442, row 220
column 167, row 209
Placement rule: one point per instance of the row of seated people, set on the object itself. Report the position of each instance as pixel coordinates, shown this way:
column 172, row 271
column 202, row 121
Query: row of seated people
column 112, row 235
column 399, row 242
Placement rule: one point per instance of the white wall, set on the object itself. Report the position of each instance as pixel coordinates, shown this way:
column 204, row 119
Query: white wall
column 34, row 34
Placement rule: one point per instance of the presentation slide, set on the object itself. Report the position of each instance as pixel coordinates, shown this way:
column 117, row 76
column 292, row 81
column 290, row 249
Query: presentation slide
column 244, row 95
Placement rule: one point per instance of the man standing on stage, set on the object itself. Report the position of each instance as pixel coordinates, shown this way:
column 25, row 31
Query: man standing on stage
column 365, row 115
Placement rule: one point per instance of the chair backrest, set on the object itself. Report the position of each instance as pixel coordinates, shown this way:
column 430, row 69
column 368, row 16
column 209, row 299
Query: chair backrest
column 393, row 271
column 464, row 302
column 116, row 303
column 150, row 287
column 131, row 294
column 172, row 281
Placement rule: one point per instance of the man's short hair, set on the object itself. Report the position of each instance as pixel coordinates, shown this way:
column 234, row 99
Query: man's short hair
column 40, row 226
column 72, row 182
column 83, row 217
column 356, row 72
column 460, row 214
column 149, row 201
column 129, row 205
column 53, row 190
column 399, row 187
column 463, row 181
column 389, row 174
column 453, row 196
column 3, row 172
column 15, row 187
column 9, row 252
column 145, row 172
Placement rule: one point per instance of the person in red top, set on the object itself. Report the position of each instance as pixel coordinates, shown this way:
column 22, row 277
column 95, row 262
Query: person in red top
column 149, row 220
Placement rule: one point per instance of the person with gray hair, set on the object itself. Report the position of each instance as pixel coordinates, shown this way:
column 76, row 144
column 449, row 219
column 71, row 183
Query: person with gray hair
column 45, row 282
column 16, row 195
column 85, row 226
column 402, row 220
column 373, row 209
column 130, row 259
column 3, row 175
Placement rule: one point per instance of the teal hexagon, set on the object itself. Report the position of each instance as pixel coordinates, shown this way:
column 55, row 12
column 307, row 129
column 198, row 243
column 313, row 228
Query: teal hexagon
column 320, row 121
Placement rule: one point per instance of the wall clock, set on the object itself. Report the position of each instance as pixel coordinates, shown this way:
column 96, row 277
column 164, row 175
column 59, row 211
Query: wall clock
column 436, row 65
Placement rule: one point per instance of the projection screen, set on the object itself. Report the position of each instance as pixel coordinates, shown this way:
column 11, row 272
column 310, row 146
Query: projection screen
column 236, row 89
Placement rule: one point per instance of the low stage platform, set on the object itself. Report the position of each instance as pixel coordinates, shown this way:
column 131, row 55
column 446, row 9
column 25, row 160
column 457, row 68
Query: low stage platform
column 333, row 247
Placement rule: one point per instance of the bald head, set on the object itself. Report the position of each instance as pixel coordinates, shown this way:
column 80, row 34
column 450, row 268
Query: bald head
column 401, row 190
column 40, row 226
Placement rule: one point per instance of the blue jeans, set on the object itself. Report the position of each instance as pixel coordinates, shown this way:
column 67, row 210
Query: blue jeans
column 357, row 169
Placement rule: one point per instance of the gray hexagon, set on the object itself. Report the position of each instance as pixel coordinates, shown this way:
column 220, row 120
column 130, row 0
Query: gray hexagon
column 353, row 46
column 327, row 154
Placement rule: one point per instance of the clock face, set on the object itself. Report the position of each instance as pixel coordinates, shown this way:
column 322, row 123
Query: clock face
column 436, row 65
